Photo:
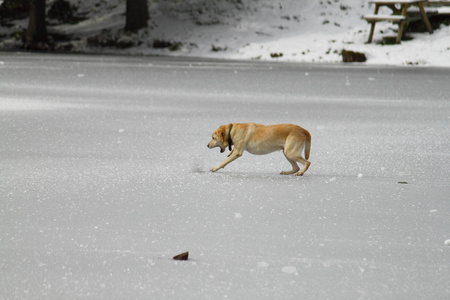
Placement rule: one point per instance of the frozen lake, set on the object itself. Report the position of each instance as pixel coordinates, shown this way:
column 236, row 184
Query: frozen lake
column 104, row 177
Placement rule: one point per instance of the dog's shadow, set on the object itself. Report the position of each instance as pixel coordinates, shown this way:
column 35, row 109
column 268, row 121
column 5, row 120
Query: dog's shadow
column 248, row 175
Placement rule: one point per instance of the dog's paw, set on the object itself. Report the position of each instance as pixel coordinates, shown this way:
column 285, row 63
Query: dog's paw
column 288, row 172
column 214, row 169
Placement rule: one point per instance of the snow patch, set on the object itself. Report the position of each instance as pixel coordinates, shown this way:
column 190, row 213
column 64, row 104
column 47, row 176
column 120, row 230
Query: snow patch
column 31, row 105
column 289, row 270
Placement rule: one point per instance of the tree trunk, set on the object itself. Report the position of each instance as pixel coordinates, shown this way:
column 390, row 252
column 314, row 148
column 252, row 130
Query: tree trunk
column 36, row 36
column 137, row 15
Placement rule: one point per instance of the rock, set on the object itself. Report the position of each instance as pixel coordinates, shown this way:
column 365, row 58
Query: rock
column 350, row 56
column 182, row 256
column 276, row 55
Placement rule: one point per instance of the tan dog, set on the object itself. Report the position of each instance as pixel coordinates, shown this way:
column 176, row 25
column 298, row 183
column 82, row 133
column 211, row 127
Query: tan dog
column 260, row 139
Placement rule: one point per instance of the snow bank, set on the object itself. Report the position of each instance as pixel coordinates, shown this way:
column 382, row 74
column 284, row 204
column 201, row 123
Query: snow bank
column 285, row 30
column 302, row 31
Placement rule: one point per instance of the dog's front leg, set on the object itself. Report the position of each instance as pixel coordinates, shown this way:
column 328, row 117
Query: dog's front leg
column 234, row 155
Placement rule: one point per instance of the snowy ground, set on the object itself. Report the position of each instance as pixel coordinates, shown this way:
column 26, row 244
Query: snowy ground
column 300, row 30
column 104, row 177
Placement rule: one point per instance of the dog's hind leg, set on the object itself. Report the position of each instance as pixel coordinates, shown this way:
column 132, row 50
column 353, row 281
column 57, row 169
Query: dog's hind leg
column 293, row 154
column 304, row 163
column 295, row 167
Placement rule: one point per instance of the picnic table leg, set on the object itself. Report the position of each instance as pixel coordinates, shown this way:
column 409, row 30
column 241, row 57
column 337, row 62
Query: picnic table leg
column 425, row 18
column 372, row 27
column 402, row 24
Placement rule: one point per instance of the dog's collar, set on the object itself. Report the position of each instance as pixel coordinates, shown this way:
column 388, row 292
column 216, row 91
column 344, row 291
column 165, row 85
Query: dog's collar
column 230, row 142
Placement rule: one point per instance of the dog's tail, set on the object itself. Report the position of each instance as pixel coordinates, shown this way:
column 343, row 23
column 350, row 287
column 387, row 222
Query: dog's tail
column 307, row 146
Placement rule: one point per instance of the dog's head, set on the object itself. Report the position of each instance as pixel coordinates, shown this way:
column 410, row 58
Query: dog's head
column 219, row 138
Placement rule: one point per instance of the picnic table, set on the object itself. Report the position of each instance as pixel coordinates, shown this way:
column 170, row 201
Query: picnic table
column 399, row 15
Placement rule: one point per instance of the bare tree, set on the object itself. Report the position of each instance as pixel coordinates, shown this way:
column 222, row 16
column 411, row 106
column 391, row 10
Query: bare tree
column 36, row 36
column 137, row 15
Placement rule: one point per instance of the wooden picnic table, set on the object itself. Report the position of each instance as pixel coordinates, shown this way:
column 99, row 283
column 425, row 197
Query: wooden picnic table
column 399, row 15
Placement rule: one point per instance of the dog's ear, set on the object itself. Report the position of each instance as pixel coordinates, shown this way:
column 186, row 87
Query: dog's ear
column 221, row 133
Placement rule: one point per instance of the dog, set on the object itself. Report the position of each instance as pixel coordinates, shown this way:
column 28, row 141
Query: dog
column 260, row 139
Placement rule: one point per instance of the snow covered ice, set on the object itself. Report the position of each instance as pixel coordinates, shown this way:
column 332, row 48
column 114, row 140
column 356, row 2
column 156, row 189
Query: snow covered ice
column 105, row 177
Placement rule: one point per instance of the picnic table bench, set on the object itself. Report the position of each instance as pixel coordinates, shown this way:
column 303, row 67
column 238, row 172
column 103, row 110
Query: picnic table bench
column 399, row 15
